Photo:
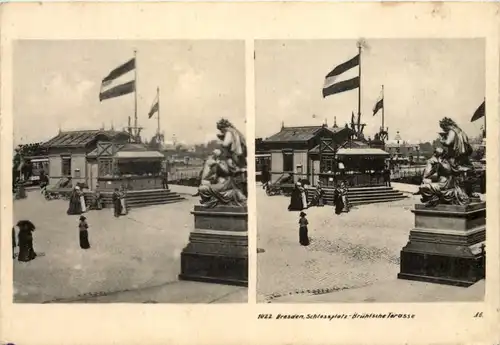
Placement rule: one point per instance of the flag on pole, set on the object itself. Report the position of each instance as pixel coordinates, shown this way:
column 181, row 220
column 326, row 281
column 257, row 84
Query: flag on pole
column 479, row 113
column 155, row 107
column 338, row 81
column 118, row 82
column 380, row 103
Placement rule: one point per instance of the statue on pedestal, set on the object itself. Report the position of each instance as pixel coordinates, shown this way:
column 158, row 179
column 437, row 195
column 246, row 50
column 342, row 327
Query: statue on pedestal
column 224, row 175
column 449, row 166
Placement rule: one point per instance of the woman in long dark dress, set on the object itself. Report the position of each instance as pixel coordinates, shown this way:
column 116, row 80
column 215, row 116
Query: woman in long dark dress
column 117, row 204
column 84, row 233
column 296, row 199
column 25, row 241
column 303, row 231
column 75, row 205
column 337, row 199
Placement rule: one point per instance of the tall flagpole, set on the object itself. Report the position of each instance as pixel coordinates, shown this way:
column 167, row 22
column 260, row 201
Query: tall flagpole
column 359, row 88
column 484, row 134
column 135, row 92
column 158, row 100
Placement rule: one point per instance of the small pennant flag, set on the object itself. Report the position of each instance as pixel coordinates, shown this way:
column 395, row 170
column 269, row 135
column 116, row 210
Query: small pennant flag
column 338, row 81
column 154, row 109
column 156, row 104
column 118, row 82
column 479, row 113
column 379, row 105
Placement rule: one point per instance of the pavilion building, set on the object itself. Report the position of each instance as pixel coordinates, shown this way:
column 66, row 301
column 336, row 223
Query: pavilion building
column 104, row 160
column 329, row 155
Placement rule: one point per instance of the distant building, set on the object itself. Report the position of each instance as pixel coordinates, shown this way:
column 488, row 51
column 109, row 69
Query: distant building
column 318, row 153
column 404, row 150
column 67, row 152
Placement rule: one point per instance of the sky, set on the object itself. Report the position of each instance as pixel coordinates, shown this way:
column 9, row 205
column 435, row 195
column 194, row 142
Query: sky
column 424, row 80
column 57, row 84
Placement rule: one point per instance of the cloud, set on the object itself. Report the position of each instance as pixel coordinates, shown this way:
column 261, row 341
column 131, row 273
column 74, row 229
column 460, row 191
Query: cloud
column 189, row 82
column 60, row 94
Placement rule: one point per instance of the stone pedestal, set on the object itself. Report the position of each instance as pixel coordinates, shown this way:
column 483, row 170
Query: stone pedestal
column 447, row 245
column 218, row 247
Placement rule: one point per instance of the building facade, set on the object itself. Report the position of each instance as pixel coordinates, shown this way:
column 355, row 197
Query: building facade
column 67, row 153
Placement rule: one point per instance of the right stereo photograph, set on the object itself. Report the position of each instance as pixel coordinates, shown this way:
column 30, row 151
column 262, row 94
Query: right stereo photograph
column 370, row 170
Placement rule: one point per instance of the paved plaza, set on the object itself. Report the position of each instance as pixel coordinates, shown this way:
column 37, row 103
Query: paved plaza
column 135, row 258
column 353, row 257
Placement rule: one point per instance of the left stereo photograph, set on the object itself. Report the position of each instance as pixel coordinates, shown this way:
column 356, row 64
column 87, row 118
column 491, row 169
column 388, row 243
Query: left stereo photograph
column 129, row 172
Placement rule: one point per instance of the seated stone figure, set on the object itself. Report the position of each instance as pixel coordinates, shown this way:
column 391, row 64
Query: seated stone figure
column 450, row 167
column 223, row 179
column 218, row 187
column 446, row 189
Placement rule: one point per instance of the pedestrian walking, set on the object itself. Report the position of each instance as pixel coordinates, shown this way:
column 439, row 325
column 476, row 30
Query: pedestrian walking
column 123, row 202
column 345, row 196
column 117, row 204
column 164, row 180
column 387, row 176
column 98, row 201
column 84, row 233
column 25, row 241
column 303, row 231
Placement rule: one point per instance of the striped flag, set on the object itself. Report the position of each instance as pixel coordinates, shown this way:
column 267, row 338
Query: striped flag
column 338, row 81
column 118, row 82
column 154, row 108
column 380, row 103
column 479, row 113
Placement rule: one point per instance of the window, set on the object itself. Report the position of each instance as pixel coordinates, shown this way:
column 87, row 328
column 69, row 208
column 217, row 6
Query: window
column 105, row 167
column 288, row 161
column 66, row 166
column 262, row 163
column 327, row 164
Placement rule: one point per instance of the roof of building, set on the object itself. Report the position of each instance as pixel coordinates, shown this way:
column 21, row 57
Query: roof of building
column 80, row 138
column 300, row 133
column 139, row 154
column 362, row 151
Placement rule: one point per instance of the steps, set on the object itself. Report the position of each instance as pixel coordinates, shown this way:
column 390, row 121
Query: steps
column 363, row 195
column 142, row 198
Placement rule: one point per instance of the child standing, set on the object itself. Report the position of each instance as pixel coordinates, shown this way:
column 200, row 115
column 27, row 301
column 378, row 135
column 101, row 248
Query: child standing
column 303, row 232
column 84, row 233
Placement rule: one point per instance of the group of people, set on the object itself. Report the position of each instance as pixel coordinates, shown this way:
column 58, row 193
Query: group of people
column 298, row 202
column 24, row 239
column 78, row 206
column 298, row 198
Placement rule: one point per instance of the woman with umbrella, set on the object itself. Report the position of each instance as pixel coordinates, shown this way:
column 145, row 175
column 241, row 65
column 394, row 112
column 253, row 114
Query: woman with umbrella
column 25, row 241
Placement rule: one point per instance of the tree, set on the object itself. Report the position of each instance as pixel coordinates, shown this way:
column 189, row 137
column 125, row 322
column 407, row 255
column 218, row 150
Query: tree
column 478, row 153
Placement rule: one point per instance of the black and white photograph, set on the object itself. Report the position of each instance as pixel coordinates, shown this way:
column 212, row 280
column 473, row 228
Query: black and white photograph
column 370, row 170
column 129, row 172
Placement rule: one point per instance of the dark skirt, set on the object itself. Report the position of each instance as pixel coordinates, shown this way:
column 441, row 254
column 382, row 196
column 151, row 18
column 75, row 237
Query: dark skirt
column 26, row 251
column 75, row 206
column 296, row 201
column 303, row 236
column 84, row 239
column 117, row 207
column 339, row 204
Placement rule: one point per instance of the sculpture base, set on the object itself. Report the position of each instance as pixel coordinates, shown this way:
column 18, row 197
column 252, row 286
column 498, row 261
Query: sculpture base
column 218, row 247
column 447, row 245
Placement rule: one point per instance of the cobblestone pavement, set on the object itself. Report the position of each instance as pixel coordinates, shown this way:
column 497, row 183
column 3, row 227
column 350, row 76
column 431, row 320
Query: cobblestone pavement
column 130, row 256
column 349, row 251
